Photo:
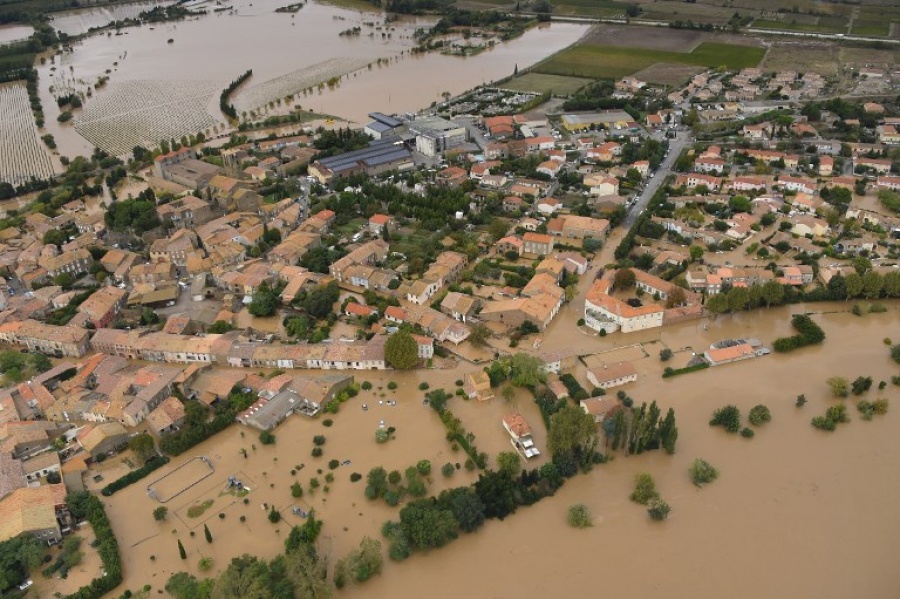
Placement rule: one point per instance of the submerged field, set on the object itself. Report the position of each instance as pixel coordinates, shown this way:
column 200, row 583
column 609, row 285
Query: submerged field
column 22, row 155
column 610, row 62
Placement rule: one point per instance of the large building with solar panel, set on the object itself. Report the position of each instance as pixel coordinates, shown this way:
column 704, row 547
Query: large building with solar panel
column 380, row 157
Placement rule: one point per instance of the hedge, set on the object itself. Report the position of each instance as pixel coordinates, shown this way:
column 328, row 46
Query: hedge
column 668, row 372
column 89, row 507
column 809, row 333
column 135, row 475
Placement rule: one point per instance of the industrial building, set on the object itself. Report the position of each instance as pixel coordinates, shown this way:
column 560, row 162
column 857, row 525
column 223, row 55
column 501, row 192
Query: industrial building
column 380, row 157
column 435, row 135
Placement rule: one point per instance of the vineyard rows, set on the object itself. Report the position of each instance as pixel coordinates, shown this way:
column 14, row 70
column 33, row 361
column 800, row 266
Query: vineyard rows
column 22, row 155
column 295, row 82
column 133, row 113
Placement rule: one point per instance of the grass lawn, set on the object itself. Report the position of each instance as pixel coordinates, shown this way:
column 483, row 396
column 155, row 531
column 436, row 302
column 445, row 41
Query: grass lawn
column 879, row 28
column 825, row 25
column 609, row 62
column 541, row 83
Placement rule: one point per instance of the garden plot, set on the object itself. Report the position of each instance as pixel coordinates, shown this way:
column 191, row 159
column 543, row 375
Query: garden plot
column 22, row 156
column 143, row 113
column 295, row 82
column 80, row 22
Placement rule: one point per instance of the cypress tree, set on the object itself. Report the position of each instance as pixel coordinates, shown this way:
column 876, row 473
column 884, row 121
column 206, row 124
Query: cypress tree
column 181, row 550
column 207, row 534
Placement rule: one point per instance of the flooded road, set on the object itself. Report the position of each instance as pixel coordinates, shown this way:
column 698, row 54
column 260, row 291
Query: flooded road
column 789, row 505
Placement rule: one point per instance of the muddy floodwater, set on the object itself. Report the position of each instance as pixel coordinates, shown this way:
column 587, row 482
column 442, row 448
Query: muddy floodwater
column 288, row 52
column 795, row 512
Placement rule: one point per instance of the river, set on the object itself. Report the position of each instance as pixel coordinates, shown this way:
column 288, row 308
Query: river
column 151, row 78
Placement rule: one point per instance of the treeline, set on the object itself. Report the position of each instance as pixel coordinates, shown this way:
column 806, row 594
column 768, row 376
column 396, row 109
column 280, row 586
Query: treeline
column 338, row 141
column 808, row 333
column 642, row 429
column 224, row 105
column 411, row 7
column 85, row 506
column 198, row 427
column 135, row 475
column 456, row 432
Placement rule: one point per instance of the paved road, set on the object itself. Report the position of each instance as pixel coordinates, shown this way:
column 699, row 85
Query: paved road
column 675, row 146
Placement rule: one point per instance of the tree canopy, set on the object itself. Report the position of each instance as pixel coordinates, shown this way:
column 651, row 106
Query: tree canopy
column 401, row 351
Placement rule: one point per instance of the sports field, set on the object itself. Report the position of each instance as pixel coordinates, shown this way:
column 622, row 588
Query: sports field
column 609, row 62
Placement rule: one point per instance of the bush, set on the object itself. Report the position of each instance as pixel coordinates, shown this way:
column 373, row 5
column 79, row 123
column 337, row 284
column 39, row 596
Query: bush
column 327, row 422
column 160, row 513
column 424, row 467
column 392, row 385
column 319, row 440
column 333, row 464
column 355, row 477
column 134, row 476
column 665, row 355
column 644, row 489
column 381, row 435
column 861, row 384
column 728, row 417
column 759, row 415
column 801, row 401
column 394, row 477
column 423, row 386
column 447, row 470
column 366, row 386
column 895, row 353
column 579, row 516
column 317, row 452
column 702, row 472
column 274, row 515
column 658, row 509
column 747, row 433
column 839, row 386
column 296, row 490
column 267, row 438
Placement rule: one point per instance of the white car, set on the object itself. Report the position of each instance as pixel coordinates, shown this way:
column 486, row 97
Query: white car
column 26, row 584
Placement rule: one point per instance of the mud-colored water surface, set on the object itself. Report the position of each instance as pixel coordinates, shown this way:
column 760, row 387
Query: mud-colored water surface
column 796, row 512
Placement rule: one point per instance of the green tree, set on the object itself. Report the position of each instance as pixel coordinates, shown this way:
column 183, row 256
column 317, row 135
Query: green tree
column 580, row 516
column 702, row 472
column 717, row 304
column 465, row 505
column 307, row 572
column 267, row 438
column 207, row 534
column 644, row 489
column 220, row 326
column 181, row 552
column 572, row 433
column 427, row 526
column 854, row 285
column 160, row 513
column 401, row 351
column 479, row 335
column 696, row 253
column 759, row 415
column 246, row 577
column 509, row 462
column 182, row 585
column 772, row 293
column 527, row 370
column 895, row 353
column 143, row 447
column 265, row 302
column 738, row 299
column 658, row 509
column 840, row 387
column 872, row 284
column 624, row 279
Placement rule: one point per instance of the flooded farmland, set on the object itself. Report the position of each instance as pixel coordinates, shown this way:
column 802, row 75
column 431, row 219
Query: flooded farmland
column 789, row 505
column 290, row 54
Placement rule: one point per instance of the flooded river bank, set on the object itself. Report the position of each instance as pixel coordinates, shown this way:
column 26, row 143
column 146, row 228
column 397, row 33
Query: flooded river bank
column 790, row 504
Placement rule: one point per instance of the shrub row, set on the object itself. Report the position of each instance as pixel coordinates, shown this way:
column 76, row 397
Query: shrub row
column 676, row 371
column 83, row 505
column 808, row 333
column 135, row 475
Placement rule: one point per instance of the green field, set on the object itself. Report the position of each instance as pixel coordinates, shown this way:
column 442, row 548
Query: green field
column 610, row 62
column 825, row 25
column 874, row 28
column 543, row 83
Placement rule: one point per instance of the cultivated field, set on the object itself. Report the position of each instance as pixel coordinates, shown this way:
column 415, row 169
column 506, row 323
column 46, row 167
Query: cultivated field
column 609, row 62
column 542, row 83
column 135, row 113
column 651, row 38
column 818, row 57
column 667, row 73
column 295, row 82
column 22, row 155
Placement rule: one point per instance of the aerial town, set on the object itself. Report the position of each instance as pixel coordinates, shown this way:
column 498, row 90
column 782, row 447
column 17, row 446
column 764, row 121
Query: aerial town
column 528, row 271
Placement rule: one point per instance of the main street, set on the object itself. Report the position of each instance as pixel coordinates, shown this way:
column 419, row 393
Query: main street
column 676, row 145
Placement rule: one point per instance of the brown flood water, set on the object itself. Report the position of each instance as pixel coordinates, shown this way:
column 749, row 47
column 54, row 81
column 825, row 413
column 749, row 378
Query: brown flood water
column 795, row 512
column 218, row 47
